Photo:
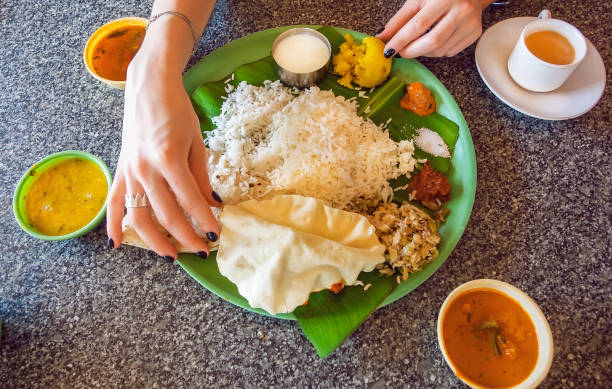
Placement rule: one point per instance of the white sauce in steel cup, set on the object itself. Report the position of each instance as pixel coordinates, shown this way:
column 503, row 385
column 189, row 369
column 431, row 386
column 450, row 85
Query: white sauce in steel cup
column 301, row 55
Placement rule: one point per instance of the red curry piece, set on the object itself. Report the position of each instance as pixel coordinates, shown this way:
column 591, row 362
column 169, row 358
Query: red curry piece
column 337, row 287
column 429, row 185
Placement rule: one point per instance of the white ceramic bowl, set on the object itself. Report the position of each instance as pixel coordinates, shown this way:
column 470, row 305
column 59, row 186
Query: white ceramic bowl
column 543, row 333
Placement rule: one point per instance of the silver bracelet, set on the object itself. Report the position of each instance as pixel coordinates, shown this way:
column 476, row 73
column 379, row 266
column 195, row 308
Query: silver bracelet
column 180, row 15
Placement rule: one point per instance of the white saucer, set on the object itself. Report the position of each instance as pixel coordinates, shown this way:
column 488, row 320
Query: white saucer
column 575, row 97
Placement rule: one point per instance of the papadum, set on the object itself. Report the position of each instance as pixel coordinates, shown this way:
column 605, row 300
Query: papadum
column 278, row 251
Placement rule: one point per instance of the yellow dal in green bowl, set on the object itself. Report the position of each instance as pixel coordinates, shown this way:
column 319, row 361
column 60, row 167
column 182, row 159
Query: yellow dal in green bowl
column 62, row 196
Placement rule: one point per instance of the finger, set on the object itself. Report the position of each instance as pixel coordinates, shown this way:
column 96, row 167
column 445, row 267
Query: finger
column 145, row 227
column 172, row 218
column 198, row 166
column 115, row 207
column 467, row 41
column 187, row 192
column 432, row 40
column 468, row 30
column 463, row 37
column 415, row 27
column 401, row 17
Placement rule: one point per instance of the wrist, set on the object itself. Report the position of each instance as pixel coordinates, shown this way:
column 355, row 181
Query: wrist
column 157, row 69
column 167, row 46
column 156, row 59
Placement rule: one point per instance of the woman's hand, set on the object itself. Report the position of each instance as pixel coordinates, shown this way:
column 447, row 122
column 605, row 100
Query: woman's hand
column 163, row 156
column 433, row 28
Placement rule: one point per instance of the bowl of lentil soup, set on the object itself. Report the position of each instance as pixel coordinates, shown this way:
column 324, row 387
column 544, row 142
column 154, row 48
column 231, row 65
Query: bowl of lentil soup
column 62, row 196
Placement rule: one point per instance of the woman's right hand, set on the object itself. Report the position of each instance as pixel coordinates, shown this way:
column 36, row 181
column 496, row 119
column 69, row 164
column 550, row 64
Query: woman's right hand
column 163, row 156
column 433, row 28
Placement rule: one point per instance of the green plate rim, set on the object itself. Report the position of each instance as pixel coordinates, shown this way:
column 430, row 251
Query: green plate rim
column 208, row 69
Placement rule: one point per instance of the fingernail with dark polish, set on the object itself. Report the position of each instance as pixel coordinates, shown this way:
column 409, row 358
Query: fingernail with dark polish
column 379, row 31
column 389, row 53
column 111, row 243
column 202, row 254
column 397, row 55
column 212, row 236
column 216, row 196
column 169, row 258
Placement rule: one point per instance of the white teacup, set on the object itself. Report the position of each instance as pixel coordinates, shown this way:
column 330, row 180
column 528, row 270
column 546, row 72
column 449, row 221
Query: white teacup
column 537, row 75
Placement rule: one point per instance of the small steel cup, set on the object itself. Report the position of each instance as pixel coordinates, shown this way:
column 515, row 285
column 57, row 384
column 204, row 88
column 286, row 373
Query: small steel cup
column 301, row 80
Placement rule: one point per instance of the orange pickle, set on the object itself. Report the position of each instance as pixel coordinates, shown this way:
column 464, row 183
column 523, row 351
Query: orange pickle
column 418, row 99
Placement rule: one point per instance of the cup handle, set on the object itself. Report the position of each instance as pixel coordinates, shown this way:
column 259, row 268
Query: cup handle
column 545, row 14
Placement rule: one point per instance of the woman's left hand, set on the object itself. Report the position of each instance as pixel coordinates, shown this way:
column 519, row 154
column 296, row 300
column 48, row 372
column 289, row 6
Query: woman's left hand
column 433, row 28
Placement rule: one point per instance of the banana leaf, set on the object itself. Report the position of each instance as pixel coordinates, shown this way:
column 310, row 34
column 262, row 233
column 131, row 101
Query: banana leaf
column 385, row 104
column 329, row 319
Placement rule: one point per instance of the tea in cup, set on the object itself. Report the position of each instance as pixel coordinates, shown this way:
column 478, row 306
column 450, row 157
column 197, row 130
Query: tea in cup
column 546, row 53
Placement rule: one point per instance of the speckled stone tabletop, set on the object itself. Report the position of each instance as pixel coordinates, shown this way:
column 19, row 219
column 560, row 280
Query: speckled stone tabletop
column 75, row 314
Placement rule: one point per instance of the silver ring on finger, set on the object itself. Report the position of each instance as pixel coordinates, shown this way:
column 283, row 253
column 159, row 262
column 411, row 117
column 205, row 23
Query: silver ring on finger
column 136, row 200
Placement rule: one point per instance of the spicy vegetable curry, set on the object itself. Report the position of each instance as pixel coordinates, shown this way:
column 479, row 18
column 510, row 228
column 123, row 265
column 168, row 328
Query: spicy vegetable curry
column 113, row 53
column 489, row 338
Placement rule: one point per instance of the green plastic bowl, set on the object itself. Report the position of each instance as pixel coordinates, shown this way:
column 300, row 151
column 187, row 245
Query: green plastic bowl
column 28, row 179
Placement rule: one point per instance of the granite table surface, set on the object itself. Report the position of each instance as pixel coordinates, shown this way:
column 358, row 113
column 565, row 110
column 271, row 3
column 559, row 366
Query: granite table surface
column 75, row 314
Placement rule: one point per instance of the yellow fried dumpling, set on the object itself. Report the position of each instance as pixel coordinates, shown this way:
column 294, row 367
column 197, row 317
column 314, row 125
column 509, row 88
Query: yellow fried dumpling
column 364, row 65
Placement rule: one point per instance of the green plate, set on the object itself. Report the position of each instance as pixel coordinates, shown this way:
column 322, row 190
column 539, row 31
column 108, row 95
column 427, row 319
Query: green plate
column 462, row 173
